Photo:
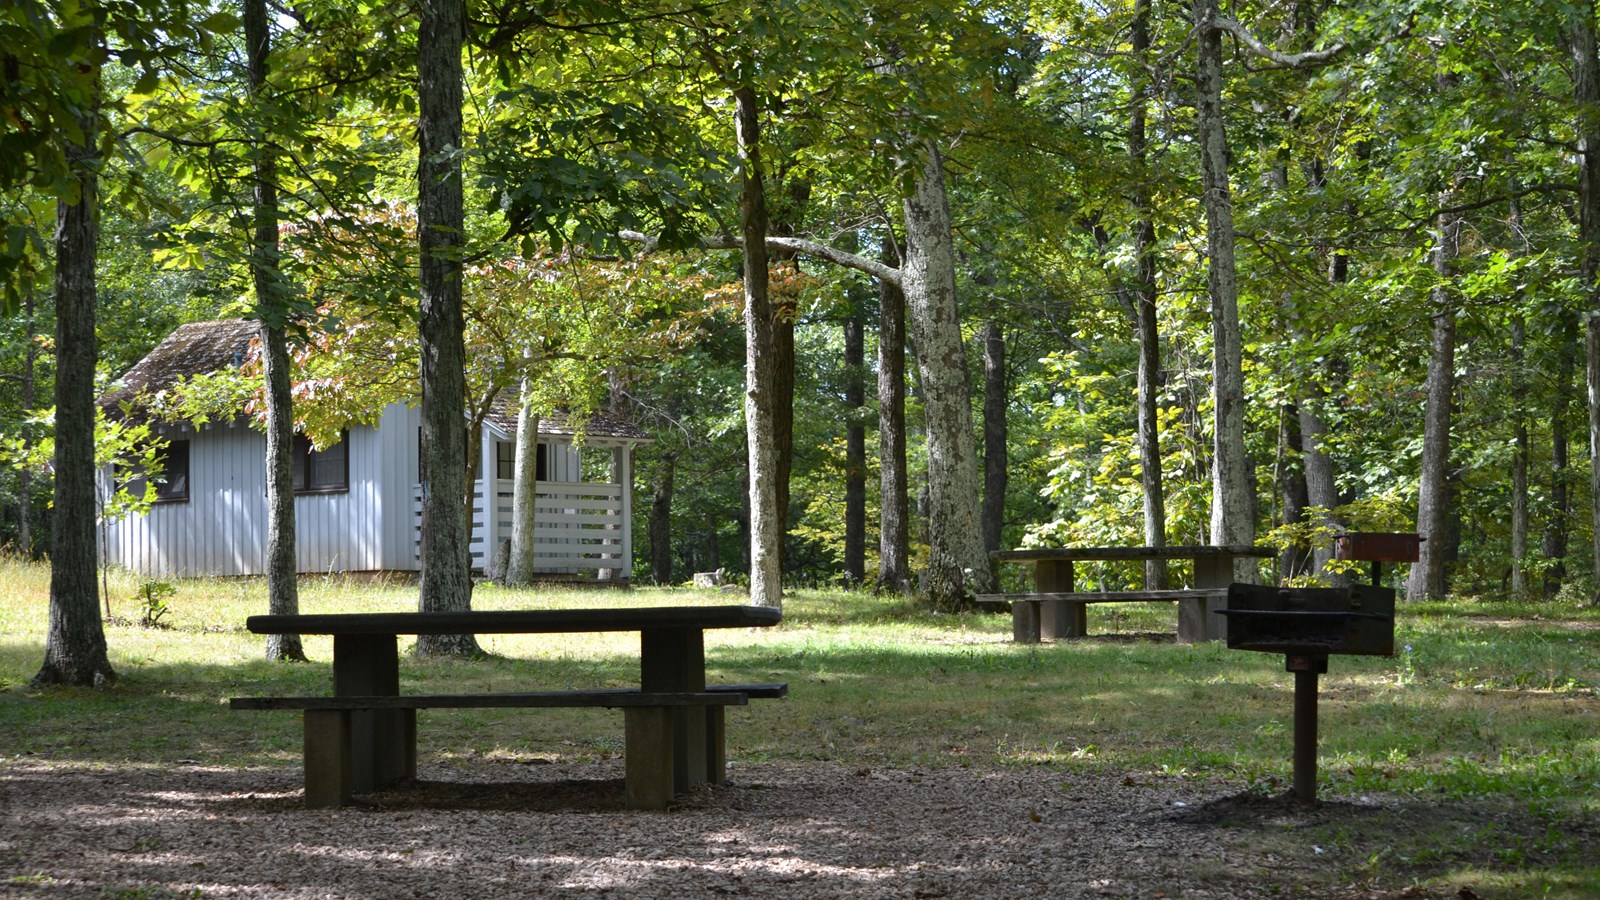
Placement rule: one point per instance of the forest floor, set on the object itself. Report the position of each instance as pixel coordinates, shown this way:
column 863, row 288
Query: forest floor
column 492, row 828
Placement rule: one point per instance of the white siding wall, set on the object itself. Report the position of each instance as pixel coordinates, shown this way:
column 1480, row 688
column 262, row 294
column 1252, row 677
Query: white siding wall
column 221, row 530
column 401, row 431
column 375, row 525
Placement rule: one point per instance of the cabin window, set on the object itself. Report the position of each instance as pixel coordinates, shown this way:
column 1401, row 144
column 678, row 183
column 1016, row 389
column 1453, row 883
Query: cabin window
column 172, row 485
column 505, row 453
column 324, row 471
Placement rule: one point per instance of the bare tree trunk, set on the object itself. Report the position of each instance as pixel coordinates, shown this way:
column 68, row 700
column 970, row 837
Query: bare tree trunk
column 786, row 222
column 1294, row 560
column 1519, row 463
column 1586, row 91
column 958, row 566
column 272, row 308
column 661, row 521
column 1558, row 527
column 760, row 408
column 1433, row 497
column 446, row 538
column 1145, row 323
column 996, row 467
column 75, row 644
column 855, row 441
column 524, row 494
column 1322, row 492
column 894, row 515
column 1231, row 520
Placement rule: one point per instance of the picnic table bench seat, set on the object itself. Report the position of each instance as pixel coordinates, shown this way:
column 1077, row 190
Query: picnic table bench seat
column 647, row 728
column 1057, row 609
column 1061, row 613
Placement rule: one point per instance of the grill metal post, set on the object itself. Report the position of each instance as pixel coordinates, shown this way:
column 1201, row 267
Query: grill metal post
column 1305, row 669
column 1305, row 738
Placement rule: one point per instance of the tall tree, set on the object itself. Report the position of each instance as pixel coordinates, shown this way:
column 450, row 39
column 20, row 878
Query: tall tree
column 1145, row 294
column 446, row 561
column 760, row 409
column 996, row 468
column 524, row 492
column 272, row 308
column 1231, row 519
column 855, row 476
column 958, row 566
column 1586, row 92
column 1427, row 580
column 661, row 521
column 894, row 515
column 75, row 645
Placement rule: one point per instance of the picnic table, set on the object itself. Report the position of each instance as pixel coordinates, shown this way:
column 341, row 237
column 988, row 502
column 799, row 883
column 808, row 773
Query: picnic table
column 364, row 736
column 1056, row 608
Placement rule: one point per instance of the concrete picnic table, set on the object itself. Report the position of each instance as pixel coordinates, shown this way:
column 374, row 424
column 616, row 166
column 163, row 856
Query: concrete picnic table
column 363, row 736
column 1057, row 609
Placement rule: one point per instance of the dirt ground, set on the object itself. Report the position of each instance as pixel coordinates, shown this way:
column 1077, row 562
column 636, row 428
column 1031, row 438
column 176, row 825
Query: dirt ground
column 496, row 829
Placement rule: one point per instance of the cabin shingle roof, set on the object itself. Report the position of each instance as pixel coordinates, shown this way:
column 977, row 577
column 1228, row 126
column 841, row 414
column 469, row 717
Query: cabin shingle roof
column 503, row 415
column 200, row 348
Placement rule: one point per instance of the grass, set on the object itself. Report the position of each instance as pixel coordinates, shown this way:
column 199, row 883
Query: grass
column 1491, row 706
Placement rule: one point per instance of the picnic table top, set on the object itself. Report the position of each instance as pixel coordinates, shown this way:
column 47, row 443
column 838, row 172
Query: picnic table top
column 519, row 621
column 1190, row 551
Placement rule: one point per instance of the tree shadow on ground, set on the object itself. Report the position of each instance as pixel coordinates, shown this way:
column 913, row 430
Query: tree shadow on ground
column 581, row 794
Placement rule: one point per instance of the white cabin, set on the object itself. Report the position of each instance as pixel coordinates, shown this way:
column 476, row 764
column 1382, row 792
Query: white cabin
column 358, row 503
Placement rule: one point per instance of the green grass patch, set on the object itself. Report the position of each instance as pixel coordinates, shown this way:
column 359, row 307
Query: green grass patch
column 1498, row 708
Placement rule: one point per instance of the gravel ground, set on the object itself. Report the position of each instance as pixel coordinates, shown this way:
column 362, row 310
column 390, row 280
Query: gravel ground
column 506, row 829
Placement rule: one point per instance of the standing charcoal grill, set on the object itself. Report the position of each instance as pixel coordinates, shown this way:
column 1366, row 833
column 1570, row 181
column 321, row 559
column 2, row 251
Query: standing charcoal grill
column 1307, row 625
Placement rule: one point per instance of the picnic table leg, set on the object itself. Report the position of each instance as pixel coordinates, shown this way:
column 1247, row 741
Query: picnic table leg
column 648, row 756
column 1058, row 618
column 383, row 742
column 673, row 660
column 327, row 758
column 1197, row 618
column 1025, row 621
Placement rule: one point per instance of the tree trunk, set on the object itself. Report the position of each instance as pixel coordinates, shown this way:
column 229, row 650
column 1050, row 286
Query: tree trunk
column 75, row 645
column 894, row 516
column 788, row 221
column 1586, row 91
column 782, row 393
column 1558, row 527
column 446, row 552
column 996, row 467
column 855, row 451
column 1231, row 519
column 760, row 407
column 1145, row 324
column 661, row 521
column 1519, row 463
column 958, row 566
column 1433, row 496
column 524, row 494
column 1293, row 561
column 272, row 308
column 1321, row 491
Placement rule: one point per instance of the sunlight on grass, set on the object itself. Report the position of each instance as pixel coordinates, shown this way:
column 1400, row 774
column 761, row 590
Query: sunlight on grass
column 1470, row 706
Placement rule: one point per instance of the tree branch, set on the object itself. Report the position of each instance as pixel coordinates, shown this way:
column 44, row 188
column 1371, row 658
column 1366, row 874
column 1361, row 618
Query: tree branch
column 808, row 247
column 1292, row 60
